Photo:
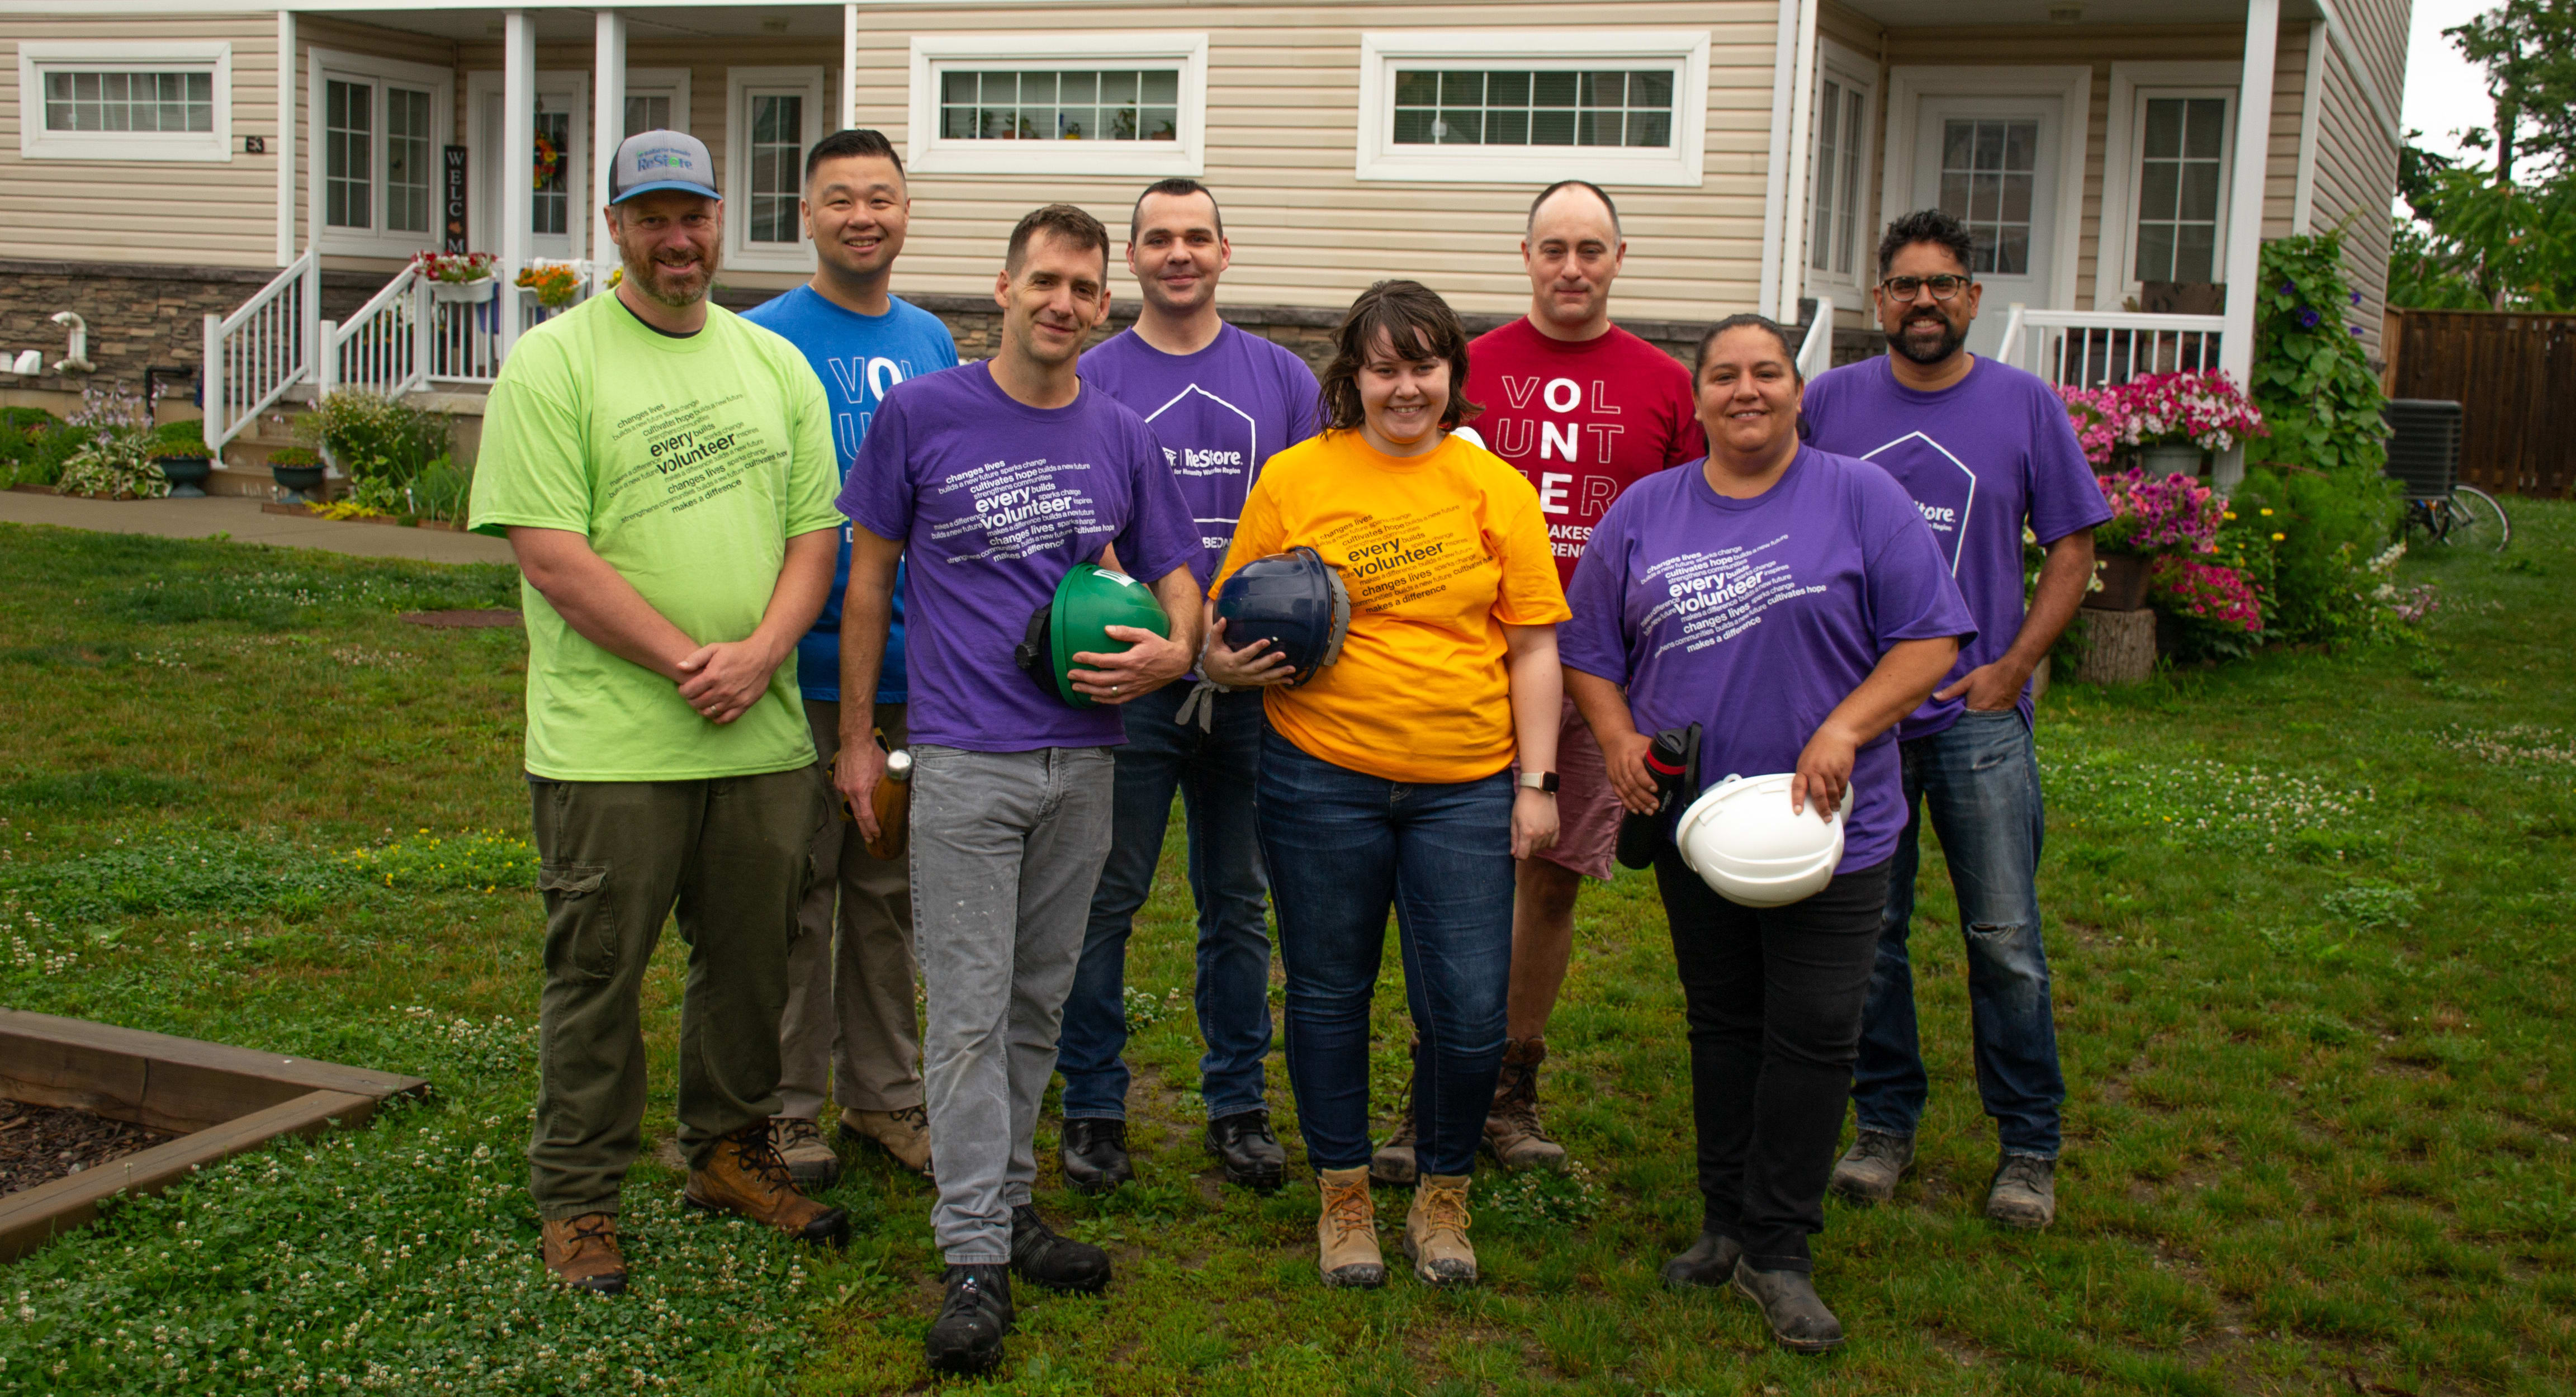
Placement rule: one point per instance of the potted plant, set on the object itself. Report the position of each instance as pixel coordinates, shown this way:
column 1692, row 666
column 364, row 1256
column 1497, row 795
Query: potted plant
column 2151, row 517
column 557, row 284
column 180, row 450
column 468, row 277
column 297, row 470
column 2172, row 419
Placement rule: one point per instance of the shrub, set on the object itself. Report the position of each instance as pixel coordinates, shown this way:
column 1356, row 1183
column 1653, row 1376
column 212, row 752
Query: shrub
column 109, row 460
column 179, row 439
column 2311, row 380
column 2317, row 534
column 373, row 438
column 34, row 444
column 2214, row 608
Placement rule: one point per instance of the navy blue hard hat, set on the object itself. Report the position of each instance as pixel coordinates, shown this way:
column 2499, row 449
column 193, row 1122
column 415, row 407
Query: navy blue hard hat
column 1296, row 601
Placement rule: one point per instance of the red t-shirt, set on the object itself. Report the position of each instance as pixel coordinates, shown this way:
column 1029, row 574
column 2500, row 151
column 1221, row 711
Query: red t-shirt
column 1584, row 420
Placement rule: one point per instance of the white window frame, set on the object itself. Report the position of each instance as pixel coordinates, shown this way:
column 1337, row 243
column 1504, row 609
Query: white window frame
column 660, row 82
column 322, row 65
column 1857, row 73
column 36, row 57
column 1684, row 50
column 569, row 86
column 2124, row 150
column 741, row 84
column 929, row 152
column 2072, row 84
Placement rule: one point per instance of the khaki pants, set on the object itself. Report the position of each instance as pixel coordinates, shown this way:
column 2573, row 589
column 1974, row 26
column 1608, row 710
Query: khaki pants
column 617, row 857
column 850, row 977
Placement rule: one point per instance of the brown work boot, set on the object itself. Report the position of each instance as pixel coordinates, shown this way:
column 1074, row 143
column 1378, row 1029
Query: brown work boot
column 744, row 1175
column 1346, row 1233
column 800, row 1142
column 582, row 1252
column 1435, row 1231
column 1512, row 1129
column 904, row 1135
column 1393, row 1164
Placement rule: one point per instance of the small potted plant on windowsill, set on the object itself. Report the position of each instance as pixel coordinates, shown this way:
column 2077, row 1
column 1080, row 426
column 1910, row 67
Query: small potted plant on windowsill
column 467, row 277
column 180, row 450
column 297, row 470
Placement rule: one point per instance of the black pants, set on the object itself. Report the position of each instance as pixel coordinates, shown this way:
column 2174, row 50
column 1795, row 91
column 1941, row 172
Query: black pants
column 1774, row 998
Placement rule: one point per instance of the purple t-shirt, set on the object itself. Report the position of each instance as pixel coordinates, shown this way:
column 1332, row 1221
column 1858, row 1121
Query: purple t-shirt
column 1754, row 618
column 994, row 502
column 1221, row 414
column 1981, row 458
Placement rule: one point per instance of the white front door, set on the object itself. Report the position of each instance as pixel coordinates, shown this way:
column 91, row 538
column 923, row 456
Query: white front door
column 559, row 199
column 1993, row 163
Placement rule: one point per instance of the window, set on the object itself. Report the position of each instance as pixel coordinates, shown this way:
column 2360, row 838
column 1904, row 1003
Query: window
column 1093, row 104
column 378, row 126
column 777, row 156
column 657, row 99
column 1069, row 104
column 1988, row 166
column 112, row 100
column 1533, row 107
column 2184, row 143
column 1837, row 164
column 1611, row 106
column 774, row 116
column 550, row 203
column 559, row 159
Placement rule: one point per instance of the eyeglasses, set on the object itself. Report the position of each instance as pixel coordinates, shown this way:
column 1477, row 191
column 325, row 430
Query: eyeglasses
column 1943, row 287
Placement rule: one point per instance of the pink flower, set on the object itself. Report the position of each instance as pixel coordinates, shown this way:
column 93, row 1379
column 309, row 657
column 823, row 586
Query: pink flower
column 2208, row 592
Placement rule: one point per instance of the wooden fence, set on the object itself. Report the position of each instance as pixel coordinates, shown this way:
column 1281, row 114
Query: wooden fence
column 2514, row 376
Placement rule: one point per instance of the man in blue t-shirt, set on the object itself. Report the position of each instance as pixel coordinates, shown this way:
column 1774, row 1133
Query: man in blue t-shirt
column 849, row 1021
column 1221, row 402
column 1985, row 450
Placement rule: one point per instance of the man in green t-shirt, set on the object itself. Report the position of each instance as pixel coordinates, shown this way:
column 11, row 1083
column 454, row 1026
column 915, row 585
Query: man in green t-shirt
column 664, row 472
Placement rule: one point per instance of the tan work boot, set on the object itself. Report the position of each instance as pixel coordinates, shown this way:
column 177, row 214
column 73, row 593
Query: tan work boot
column 1435, row 1232
column 800, row 1142
column 1393, row 1163
column 1346, row 1233
column 904, row 1135
column 582, row 1253
column 744, row 1175
column 1512, row 1129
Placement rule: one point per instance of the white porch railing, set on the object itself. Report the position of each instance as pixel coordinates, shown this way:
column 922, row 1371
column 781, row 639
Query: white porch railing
column 1816, row 352
column 266, row 347
column 2104, row 348
column 464, row 337
column 384, row 347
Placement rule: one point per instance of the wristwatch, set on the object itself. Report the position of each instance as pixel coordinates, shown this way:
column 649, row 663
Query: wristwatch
column 1539, row 781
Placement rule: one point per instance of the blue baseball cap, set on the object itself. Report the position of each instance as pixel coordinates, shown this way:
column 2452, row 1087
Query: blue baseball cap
column 651, row 160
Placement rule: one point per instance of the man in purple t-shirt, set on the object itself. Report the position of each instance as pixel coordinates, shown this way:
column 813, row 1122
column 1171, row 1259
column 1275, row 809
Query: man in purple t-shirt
column 994, row 480
column 1985, row 450
column 1221, row 401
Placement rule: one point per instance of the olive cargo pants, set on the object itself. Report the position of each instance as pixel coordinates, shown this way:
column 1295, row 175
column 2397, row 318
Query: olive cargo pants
column 732, row 855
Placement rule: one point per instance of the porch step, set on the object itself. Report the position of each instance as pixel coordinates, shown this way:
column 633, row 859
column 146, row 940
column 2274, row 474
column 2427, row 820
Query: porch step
column 244, row 468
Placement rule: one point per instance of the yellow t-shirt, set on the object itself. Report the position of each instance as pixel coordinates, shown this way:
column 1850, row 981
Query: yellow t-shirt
column 1440, row 552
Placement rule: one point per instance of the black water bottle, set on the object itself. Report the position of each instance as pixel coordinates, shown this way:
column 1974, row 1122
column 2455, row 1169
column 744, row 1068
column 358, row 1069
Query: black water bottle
column 1670, row 760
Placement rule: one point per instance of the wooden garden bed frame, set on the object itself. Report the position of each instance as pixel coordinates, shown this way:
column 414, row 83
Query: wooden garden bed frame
column 226, row 1100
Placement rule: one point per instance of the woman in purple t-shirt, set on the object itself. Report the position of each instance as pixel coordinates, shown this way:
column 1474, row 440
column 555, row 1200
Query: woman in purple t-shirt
column 1795, row 605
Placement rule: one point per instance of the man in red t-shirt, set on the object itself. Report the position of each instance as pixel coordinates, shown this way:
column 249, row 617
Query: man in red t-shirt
column 1585, row 410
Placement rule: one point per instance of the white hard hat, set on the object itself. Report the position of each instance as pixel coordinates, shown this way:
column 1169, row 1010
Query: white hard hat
column 1742, row 838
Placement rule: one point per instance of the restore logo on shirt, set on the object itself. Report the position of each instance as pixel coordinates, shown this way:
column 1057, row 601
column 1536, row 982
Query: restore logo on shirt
column 1943, row 487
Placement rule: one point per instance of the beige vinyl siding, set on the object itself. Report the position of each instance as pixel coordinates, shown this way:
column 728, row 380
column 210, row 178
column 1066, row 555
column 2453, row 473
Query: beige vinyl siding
column 2356, row 173
column 2289, row 111
column 210, row 213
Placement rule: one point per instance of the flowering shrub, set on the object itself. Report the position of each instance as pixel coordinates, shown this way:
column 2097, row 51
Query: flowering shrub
column 2199, row 409
column 2311, row 376
column 457, row 267
column 2206, row 592
column 2175, row 514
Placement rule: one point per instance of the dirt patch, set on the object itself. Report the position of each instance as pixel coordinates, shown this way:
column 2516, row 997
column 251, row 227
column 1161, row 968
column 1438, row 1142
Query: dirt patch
column 39, row 1144
column 481, row 618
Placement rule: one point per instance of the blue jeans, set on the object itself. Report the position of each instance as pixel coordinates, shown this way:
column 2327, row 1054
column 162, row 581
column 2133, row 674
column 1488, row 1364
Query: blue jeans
column 1978, row 780
column 1213, row 771
column 1343, row 847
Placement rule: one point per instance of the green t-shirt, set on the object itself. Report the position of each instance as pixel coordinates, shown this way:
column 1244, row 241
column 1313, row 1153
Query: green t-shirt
column 688, row 463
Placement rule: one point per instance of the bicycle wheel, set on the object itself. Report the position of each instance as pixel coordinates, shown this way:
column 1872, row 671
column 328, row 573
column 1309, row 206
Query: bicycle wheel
column 2477, row 520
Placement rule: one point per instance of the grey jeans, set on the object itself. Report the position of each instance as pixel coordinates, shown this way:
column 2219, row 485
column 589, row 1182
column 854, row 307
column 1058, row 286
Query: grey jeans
column 849, row 1025
column 1006, row 851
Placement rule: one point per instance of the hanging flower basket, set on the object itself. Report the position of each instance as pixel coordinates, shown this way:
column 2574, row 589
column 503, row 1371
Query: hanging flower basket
column 471, row 293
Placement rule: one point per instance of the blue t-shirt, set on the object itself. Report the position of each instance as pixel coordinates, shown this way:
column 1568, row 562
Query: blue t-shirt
column 1220, row 413
column 858, row 357
column 994, row 502
column 1981, row 458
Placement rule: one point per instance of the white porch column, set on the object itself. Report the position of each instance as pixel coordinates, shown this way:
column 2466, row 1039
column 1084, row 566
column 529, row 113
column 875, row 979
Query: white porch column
column 518, row 160
column 288, row 88
column 1775, row 179
column 2245, row 191
column 1802, row 115
column 849, row 66
column 608, row 115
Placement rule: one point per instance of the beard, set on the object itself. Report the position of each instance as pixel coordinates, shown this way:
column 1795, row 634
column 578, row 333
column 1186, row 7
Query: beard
column 675, row 287
column 1922, row 352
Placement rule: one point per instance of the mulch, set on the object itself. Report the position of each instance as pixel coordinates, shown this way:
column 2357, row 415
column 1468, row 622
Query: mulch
column 465, row 620
column 301, row 511
column 39, row 1144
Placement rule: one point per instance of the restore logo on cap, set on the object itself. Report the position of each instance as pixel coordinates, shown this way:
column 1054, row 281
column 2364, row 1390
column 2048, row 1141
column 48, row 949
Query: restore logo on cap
column 651, row 160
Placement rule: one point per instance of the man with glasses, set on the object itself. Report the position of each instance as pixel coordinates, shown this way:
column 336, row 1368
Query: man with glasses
column 1986, row 451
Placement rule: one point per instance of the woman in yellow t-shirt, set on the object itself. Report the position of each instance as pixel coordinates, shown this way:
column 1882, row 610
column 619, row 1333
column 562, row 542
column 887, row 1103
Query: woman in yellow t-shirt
column 1384, row 780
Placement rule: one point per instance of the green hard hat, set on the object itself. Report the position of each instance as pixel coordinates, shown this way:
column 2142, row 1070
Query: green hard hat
column 1089, row 600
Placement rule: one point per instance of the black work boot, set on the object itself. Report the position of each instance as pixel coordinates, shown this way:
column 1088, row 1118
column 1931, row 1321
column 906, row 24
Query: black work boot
column 1059, row 1263
column 1868, row 1171
column 1790, row 1305
column 1094, row 1151
column 1244, row 1144
column 967, row 1336
column 1710, row 1261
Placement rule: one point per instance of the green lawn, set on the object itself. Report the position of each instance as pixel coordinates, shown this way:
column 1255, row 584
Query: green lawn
column 2309, row 915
